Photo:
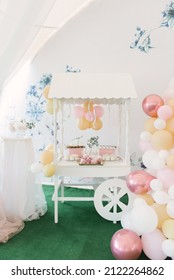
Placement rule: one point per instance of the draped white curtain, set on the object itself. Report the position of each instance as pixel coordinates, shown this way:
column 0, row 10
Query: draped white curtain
column 20, row 21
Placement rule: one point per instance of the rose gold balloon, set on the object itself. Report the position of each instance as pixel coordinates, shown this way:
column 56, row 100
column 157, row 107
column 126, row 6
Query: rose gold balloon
column 139, row 181
column 126, row 245
column 151, row 103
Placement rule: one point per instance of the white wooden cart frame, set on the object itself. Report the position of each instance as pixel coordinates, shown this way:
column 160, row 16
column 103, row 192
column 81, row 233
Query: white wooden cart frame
column 102, row 88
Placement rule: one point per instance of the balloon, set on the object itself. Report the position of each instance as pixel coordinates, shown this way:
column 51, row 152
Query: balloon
column 170, row 102
column 88, row 106
column 166, row 175
column 171, row 192
column 139, row 181
column 36, row 167
column 163, row 154
column 159, row 124
column 170, row 125
column 97, row 124
column 151, row 103
column 152, row 245
column 50, row 147
column 158, row 163
column 147, row 198
column 145, row 136
column 165, row 112
column 170, row 209
column 126, row 245
column 46, row 92
column 47, row 157
column 79, row 112
column 168, row 247
column 148, row 158
column 98, row 111
column 49, row 170
column 161, row 213
column 149, row 125
column 83, row 124
column 145, row 146
column 170, row 161
column 156, row 185
column 168, row 228
column 144, row 218
column 162, row 140
column 89, row 116
column 161, row 197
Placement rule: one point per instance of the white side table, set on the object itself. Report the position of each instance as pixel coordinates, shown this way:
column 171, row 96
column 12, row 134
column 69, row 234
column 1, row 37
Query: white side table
column 22, row 197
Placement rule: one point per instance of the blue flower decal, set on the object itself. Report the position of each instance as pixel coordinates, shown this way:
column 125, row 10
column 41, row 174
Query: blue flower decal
column 142, row 37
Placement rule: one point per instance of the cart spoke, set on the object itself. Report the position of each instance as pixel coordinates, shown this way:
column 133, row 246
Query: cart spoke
column 109, row 206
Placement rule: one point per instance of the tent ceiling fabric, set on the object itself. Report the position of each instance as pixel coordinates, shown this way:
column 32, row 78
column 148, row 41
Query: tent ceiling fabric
column 26, row 25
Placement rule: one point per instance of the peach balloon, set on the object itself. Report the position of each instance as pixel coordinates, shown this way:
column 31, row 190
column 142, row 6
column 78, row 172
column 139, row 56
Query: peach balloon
column 170, row 125
column 170, row 161
column 162, row 140
column 149, row 125
column 147, row 197
column 47, row 157
column 168, row 228
column 50, row 147
column 83, row 124
column 97, row 124
column 161, row 213
column 49, row 170
column 170, row 102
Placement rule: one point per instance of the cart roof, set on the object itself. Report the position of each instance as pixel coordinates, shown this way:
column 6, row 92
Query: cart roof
column 92, row 86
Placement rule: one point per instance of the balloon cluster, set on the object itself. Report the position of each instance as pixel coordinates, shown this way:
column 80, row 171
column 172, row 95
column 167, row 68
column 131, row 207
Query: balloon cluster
column 46, row 164
column 49, row 101
column 149, row 226
column 89, row 116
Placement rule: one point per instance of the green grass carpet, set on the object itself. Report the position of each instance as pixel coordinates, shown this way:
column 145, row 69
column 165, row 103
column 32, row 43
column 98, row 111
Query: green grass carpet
column 81, row 234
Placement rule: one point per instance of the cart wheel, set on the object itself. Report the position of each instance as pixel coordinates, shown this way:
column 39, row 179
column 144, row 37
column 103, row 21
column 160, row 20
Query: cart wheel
column 112, row 198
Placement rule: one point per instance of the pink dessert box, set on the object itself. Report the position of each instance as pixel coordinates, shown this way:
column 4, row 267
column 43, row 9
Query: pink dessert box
column 107, row 151
column 75, row 151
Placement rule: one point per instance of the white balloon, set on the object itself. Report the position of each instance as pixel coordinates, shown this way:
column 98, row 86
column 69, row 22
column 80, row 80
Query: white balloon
column 159, row 124
column 171, row 192
column 168, row 247
column 158, row 163
column 161, row 197
column 126, row 222
column 144, row 218
column 148, row 158
column 156, row 185
column 145, row 136
column 170, row 208
column 163, row 154
column 139, row 201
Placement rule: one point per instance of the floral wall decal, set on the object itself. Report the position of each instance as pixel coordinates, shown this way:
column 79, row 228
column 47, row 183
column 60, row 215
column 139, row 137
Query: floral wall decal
column 143, row 40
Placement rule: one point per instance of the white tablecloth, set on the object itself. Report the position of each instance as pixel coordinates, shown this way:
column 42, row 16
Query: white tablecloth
column 21, row 196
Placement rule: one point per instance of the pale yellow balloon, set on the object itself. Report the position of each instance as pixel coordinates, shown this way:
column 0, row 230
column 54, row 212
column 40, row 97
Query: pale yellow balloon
column 46, row 157
column 50, row 147
column 49, row 170
column 170, row 125
column 170, row 102
column 50, row 106
column 46, row 92
column 161, row 212
column 149, row 125
column 97, row 124
column 147, row 197
column 162, row 140
column 170, row 161
column 83, row 124
column 168, row 228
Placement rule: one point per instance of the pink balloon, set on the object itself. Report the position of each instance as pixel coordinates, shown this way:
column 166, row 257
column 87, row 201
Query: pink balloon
column 126, row 245
column 145, row 145
column 138, row 181
column 166, row 175
column 99, row 111
column 79, row 112
column 89, row 116
column 152, row 245
column 165, row 112
column 151, row 103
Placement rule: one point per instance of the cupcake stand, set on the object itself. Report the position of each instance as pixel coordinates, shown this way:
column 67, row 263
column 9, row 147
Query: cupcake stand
column 116, row 89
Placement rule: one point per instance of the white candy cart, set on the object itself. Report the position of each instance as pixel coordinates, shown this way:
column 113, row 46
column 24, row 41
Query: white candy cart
column 108, row 179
